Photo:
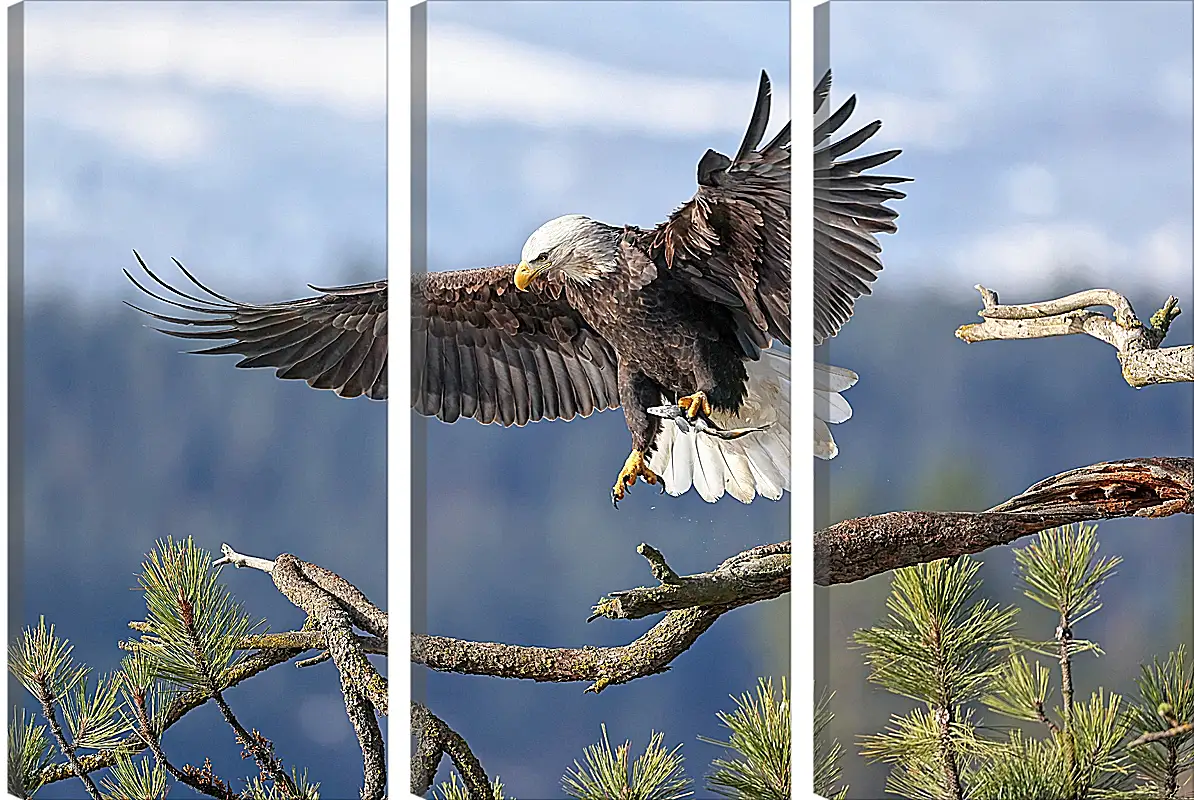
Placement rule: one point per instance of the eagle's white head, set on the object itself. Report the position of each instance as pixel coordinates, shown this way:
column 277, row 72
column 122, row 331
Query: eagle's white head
column 573, row 246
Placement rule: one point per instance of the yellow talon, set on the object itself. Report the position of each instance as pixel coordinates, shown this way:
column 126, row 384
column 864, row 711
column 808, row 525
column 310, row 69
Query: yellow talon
column 695, row 405
column 634, row 468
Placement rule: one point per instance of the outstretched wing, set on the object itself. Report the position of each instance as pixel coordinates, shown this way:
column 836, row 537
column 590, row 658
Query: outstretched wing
column 848, row 209
column 334, row 341
column 481, row 349
column 731, row 243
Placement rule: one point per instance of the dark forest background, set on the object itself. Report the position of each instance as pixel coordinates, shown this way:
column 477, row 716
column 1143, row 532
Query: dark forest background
column 126, row 441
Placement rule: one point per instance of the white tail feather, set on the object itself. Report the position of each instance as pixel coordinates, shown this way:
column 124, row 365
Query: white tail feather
column 829, row 406
column 757, row 463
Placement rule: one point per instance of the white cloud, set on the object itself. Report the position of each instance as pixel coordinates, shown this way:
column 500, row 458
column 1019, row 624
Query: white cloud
column 1028, row 256
column 306, row 52
column 475, row 76
column 1174, row 91
column 914, row 122
column 160, row 126
column 1031, row 190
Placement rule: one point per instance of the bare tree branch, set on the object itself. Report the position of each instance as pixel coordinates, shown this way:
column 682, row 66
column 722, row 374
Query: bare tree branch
column 761, row 573
column 335, row 620
column 859, row 548
column 650, row 654
column 336, row 608
column 1143, row 361
column 435, row 739
column 848, row 551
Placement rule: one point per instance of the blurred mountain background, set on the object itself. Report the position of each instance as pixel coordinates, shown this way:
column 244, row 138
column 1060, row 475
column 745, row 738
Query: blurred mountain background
column 1039, row 171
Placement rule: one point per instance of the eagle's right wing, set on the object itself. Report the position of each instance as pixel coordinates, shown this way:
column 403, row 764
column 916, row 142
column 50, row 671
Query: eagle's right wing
column 482, row 349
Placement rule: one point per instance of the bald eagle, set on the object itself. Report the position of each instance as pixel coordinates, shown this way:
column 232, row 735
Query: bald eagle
column 848, row 209
column 693, row 312
column 596, row 316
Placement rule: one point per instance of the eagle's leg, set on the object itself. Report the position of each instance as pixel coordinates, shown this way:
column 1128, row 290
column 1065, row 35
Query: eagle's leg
column 696, row 404
column 637, row 393
column 634, row 468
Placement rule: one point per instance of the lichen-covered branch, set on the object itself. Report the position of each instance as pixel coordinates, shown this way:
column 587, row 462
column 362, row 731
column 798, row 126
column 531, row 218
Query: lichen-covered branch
column 761, row 573
column 1143, row 361
column 650, row 654
column 335, row 621
column 308, row 640
column 433, row 739
column 363, row 688
column 848, row 551
column 859, row 548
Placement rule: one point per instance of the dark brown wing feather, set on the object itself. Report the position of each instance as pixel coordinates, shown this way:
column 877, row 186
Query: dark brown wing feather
column 848, row 209
column 731, row 243
column 484, row 350
column 334, row 341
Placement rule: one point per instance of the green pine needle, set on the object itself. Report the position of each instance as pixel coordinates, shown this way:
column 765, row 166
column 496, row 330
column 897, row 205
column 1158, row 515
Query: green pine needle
column 761, row 732
column 138, row 681
column 29, row 752
column 1020, row 691
column 1026, row 769
column 827, row 767
column 1060, row 572
column 1163, row 690
column 656, row 775
column 258, row 789
column 1099, row 730
column 940, row 644
column 139, row 779
column 194, row 625
column 455, row 789
column 91, row 717
column 40, row 659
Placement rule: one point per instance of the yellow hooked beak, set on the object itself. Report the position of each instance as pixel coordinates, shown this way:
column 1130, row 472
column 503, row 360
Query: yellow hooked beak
column 525, row 274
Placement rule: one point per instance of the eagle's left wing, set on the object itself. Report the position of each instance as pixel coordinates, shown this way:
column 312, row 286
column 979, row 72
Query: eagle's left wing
column 848, row 210
column 731, row 243
column 334, row 341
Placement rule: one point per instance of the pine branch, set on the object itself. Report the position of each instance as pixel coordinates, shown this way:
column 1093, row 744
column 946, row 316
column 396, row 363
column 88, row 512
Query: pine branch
column 46, row 698
column 1165, row 698
column 657, row 774
column 761, row 733
column 29, row 752
column 180, row 706
column 208, row 785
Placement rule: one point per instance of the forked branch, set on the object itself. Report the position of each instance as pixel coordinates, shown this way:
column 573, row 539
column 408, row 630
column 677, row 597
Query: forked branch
column 434, row 740
column 848, row 551
column 761, row 573
column 1142, row 359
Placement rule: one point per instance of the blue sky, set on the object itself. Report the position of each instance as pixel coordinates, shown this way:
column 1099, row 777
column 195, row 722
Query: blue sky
column 245, row 139
column 1044, row 137
column 248, row 139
